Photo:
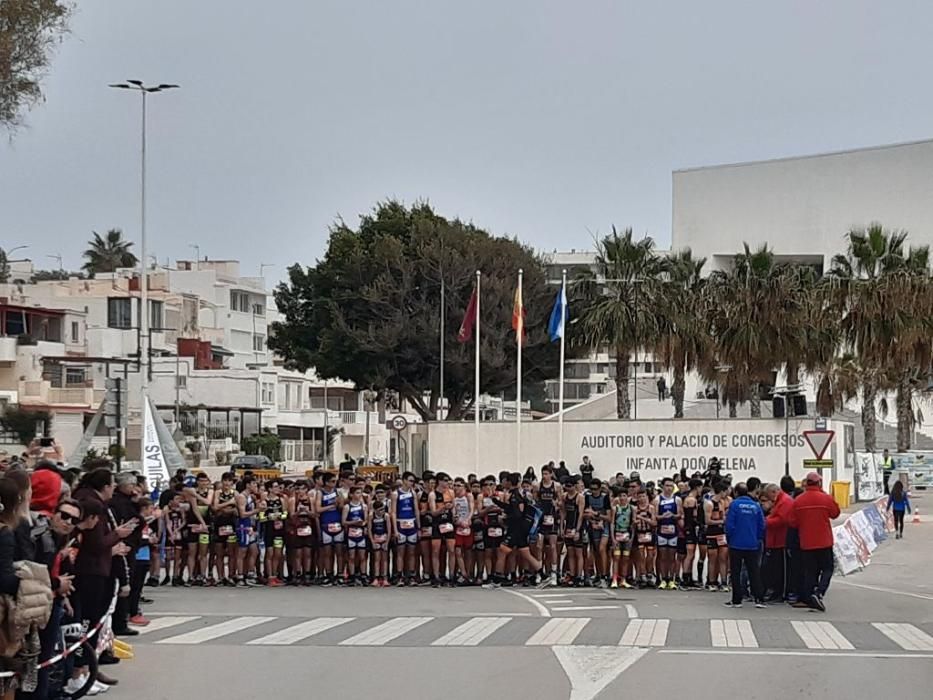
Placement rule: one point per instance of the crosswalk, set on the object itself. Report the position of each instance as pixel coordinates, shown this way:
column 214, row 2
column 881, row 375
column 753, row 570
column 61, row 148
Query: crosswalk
column 505, row 630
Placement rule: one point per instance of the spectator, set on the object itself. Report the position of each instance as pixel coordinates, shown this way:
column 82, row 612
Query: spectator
column 124, row 509
column 143, row 556
column 586, row 471
column 887, row 469
column 812, row 515
column 11, row 513
column 560, row 472
column 899, row 503
column 777, row 505
column 745, row 530
column 662, row 388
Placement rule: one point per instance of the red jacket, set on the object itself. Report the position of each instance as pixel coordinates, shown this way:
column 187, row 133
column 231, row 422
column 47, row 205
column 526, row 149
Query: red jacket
column 812, row 515
column 778, row 521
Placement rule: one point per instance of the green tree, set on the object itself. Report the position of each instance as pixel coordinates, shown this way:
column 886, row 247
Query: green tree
column 23, row 422
column 369, row 311
column 108, row 253
column 622, row 302
column 29, row 30
column 4, row 267
column 684, row 340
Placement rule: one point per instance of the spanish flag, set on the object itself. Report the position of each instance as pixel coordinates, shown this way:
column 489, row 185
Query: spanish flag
column 518, row 316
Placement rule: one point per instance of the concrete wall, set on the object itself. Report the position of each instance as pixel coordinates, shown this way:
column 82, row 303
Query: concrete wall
column 654, row 448
column 804, row 205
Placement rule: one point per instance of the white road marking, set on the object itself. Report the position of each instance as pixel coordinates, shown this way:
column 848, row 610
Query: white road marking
column 302, row 630
column 808, row 652
column 732, row 633
column 820, row 635
column 386, row 632
column 221, row 629
column 161, row 623
column 585, row 607
column 885, row 590
column 631, row 611
column 906, row 636
column 558, row 630
column 591, row 669
column 645, row 633
column 540, row 596
column 540, row 608
column 471, row 632
column 558, row 601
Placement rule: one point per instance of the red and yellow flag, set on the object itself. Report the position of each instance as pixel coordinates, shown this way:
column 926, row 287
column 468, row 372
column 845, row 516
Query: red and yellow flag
column 518, row 317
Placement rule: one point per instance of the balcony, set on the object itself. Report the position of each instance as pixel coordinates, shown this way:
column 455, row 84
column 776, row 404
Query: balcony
column 40, row 392
column 8, row 349
column 354, row 422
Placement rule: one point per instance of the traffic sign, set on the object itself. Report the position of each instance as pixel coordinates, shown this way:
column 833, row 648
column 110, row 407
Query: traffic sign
column 817, row 464
column 398, row 423
column 819, row 423
column 818, row 440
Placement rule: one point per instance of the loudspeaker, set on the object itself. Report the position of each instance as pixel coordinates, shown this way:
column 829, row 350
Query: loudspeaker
column 800, row 405
column 777, row 406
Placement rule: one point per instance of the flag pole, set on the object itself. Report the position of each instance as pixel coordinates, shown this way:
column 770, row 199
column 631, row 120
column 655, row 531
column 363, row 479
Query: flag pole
column 476, row 407
column 518, row 382
column 440, row 401
column 560, row 395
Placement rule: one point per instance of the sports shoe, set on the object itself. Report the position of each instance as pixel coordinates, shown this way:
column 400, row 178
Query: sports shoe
column 800, row 604
column 139, row 620
column 491, row 585
column 625, row 584
column 98, row 688
column 817, row 602
column 730, row 604
column 75, row 684
column 614, row 584
column 761, row 605
column 553, row 581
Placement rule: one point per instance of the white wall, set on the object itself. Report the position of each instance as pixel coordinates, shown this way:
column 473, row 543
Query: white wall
column 654, row 448
column 804, row 205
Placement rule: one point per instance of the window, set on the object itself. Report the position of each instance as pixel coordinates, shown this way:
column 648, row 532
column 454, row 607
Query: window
column 156, row 315
column 74, row 333
column 259, row 310
column 74, row 376
column 259, row 342
column 268, row 393
column 119, row 313
column 239, row 301
column 181, row 381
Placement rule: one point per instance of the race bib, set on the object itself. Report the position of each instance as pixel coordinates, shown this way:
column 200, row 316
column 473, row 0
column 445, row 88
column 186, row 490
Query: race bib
column 495, row 532
column 426, row 531
column 334, row 528
column 570, row 534
column 622, row 537
column 444, row 528
column 406, row 524
column 379, row 539
column 197, row 529
column 463, row 531
column 548, row 520
column 355, row 532
column 668, row 529
column 225, row 530
column 304, row 531
column 277, row 524
column 644, row 538
column 204, row 539
column 721, row 540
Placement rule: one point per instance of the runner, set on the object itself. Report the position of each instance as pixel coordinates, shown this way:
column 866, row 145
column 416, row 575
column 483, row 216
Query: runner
column 199, row 535
column 406, row 523
column 597, row 520
column 645, row 525
column 248, row 509
column 440, row 506
column 224, row 509
column 491, row 514
column 573, row 506
column 548, row 497
column 668, row 511
column 175, row 533
column 301, row 508
column 329, row 508
column 354, row 523
column 478, row 527
column 716, row 545
column 380, row 534
column 691, row 529
column 522, row 518
column 462, row 515
column 428, row 571
column 622, row 523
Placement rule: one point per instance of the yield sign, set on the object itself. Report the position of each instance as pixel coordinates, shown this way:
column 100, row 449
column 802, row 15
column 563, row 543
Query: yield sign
column 818, row 440
column 591, row 668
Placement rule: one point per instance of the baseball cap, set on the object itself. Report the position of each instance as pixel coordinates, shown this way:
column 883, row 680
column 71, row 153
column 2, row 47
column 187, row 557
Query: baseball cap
column 814, row 478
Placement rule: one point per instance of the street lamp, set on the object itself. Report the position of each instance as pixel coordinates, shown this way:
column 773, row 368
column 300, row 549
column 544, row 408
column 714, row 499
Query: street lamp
column 12, row 250
column 143, row 90
column 786, row 392
column 368, row 397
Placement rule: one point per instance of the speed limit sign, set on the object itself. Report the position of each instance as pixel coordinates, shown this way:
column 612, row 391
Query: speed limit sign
column 398, row 423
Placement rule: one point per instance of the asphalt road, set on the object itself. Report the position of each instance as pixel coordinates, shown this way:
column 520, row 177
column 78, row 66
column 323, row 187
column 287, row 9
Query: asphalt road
column 875, row 638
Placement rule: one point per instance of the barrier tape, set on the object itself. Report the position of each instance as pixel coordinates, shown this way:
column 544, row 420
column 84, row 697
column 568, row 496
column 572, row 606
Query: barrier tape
column 68, row 651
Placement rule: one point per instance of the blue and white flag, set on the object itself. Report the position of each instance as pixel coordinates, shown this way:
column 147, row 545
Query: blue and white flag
column 557, row 325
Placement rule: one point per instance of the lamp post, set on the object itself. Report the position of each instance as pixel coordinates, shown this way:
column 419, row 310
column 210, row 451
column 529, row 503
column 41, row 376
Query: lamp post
column 368, row 397
column 143, row 90
column 786, row 392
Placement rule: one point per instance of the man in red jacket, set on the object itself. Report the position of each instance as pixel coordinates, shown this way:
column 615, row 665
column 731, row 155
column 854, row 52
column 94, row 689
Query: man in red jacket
column 812, row 515
column 778, row 506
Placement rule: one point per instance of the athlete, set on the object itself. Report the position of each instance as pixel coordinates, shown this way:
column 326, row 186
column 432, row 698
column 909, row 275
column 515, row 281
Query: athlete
column 248, row 509
column 645, row 524
column 199, row 535
column 354, row 521
column 301, row 508
column 621, row 524
column 574, row 504
column 548, row 496
column 427, row 527
column 492, row 516
column 379, row 529
column 274, row 517
column 224, row 509
column 479, row 533
column 691, row 507
column 668, row 510
column 716, row 546
column 597, row 523
column 406, row 523
column 175, row 533
column 522, row 518
column 463, row 527
column 440, row 506
column 329, row 508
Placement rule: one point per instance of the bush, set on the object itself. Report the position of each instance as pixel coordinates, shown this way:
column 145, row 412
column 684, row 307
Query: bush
column 265, row 443
column 22, row 422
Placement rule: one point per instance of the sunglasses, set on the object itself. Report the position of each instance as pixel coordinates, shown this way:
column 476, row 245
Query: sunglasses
column 69, row 517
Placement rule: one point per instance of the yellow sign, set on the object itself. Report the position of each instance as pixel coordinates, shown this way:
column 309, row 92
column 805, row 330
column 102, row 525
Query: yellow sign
column 817, row 464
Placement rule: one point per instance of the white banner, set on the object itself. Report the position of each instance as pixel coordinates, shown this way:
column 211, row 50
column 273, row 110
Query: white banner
column 153, row 457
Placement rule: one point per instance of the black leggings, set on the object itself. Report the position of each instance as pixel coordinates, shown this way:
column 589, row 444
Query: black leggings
column 899, row 521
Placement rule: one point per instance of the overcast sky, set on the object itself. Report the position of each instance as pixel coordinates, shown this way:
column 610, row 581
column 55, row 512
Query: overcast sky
column 544, row 119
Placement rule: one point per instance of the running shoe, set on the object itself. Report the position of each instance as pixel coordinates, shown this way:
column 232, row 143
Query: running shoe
column 139, row 620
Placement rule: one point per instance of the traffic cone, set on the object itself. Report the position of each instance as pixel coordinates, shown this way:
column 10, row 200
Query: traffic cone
column 916, row 518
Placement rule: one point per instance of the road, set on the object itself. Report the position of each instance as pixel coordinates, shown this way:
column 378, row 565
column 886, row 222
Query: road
column 876, row 637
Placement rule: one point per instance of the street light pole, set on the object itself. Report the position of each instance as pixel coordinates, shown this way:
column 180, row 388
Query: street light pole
column 144, row 344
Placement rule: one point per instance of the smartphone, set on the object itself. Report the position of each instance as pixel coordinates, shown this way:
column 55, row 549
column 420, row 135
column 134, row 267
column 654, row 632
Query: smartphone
column 46, row 442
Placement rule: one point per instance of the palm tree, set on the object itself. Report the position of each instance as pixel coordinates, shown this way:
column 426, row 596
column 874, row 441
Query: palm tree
column 883, row 289
column 622, row 300
column 109, row 253
column 684, row 343
column 754, row 308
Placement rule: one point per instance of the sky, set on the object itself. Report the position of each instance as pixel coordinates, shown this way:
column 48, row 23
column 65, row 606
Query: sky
column 546, row 120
